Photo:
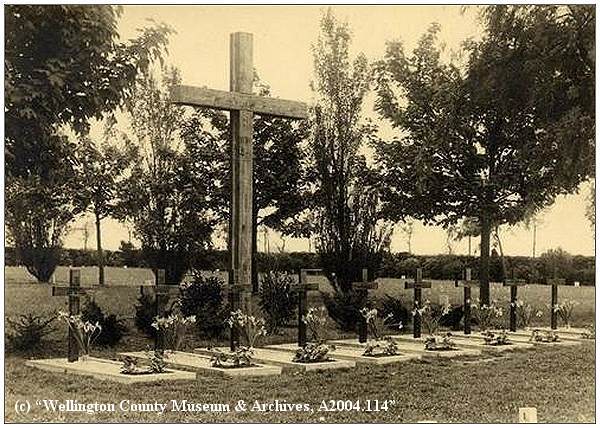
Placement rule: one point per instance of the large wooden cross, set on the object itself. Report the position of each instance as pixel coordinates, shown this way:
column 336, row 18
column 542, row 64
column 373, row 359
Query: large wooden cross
column 242, row 105
column 466, row 283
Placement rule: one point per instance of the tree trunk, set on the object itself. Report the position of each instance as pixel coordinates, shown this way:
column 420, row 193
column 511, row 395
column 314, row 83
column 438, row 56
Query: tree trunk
column 484, row 262
column 254, row 253
column 100, row 252
column 502, row 259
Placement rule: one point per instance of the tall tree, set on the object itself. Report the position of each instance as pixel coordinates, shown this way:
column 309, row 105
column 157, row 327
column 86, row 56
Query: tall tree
column 278, row 172
column 168, row 196
column 102, row 169
column 346, row 194
column 510, row 131
column 64, row 65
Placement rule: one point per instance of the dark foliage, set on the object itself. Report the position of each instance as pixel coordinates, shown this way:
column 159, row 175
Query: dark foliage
column 113, row 328
column 145, row 311
column 276, row 300
column 453, row 318
column 344, row 308
column 203, row 297
column 28, row 332
column 399, row 311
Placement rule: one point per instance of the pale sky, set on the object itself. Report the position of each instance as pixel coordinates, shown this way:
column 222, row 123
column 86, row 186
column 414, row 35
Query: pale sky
column 282, row 56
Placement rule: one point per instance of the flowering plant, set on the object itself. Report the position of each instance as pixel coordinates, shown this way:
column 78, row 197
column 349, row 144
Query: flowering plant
column 250, row 327
column 376, row 326
column 544, row 336
column 440, row 343
column 85, row 332
column 173, row 328
column 496, row 339
column 430, row 318
column 486, row 315
column 565, row 311
column 590, row 332
column 241, row 357
column 316, row 322
column 312, row 353
column 526, row 313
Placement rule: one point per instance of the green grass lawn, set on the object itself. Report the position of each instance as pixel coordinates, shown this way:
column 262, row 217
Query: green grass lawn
column 559, row 380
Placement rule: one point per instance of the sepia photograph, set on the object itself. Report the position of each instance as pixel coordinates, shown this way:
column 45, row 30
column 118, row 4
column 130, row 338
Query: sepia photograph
column 284, row 213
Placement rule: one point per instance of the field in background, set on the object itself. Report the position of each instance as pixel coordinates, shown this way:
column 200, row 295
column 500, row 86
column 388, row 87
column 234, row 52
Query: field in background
column 23, row 294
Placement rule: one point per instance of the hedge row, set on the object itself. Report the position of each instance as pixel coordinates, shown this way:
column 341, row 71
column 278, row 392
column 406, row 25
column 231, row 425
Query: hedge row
column 572, row 268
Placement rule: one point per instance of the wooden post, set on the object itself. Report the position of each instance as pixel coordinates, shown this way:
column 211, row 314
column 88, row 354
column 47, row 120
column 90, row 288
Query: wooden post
column 362, row 326
column 234, row 303
column 74, row 284
column 467, row 283
column 159, row 301
column 240, row 231
column 302, row 297
column 363, row 288
column 417, row 286
column 418, row 296
column 302, row 288
column 554, row 282
column 513, row 284
column 513, row 308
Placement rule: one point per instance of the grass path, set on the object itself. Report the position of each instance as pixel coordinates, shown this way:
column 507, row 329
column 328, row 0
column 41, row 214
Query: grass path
column 558, row 380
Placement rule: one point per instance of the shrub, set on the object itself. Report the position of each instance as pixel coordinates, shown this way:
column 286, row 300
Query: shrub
column 400, row 314
column 112, row 328
column 145, row 311
column 276, row 300
column 28, row 332
column 203, row 298
column 344, row 308
column 453, row 318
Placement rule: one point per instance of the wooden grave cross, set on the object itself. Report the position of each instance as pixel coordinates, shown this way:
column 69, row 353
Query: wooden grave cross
column 363, row 287
column 242, row 105
column 74, row 290
column 235, row 290
column 418, row 284
column 302, row 288
column 554, row 282
column 514, row 284
column 162, row 292
column 467, row 283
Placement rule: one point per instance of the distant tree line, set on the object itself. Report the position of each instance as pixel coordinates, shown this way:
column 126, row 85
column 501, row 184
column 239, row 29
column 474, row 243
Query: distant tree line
column 394, row 265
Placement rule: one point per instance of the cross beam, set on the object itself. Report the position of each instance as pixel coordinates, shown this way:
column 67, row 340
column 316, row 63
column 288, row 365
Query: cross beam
column 242, row 105
column 232, row 101
column 467, row 283
column 513, row 284
column 417, row 285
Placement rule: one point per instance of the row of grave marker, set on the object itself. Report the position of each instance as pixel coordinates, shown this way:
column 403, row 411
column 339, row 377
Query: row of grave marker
column 163, row 291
